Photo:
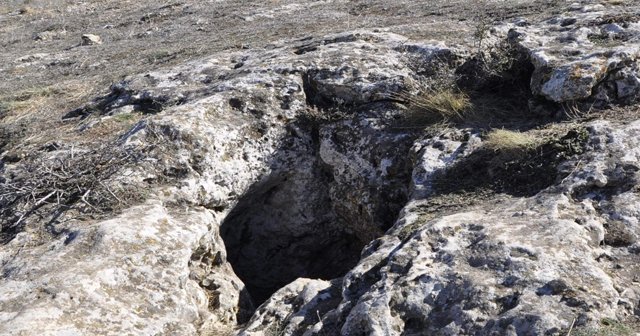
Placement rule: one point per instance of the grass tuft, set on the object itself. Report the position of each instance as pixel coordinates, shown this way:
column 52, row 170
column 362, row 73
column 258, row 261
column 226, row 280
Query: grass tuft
column 505, row 140
column 435, row 105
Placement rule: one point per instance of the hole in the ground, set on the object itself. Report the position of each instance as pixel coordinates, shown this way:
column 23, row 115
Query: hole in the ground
column 314, row 98
column 308, row 220
column 284, row 228
column 291, row 224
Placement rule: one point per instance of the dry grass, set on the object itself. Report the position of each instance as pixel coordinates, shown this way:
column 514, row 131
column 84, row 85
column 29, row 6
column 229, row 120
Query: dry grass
column 28, row 100
column 37, row 111
column 506, row 140
column 50, row 97
column 607, row 327
column 107, row 127
column 430, row 105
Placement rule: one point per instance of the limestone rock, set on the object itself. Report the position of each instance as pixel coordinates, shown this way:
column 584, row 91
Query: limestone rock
column 80, row 282
column 500, row 270
column 278, row 178
column 241, row 149
column 308, row 298
column 577, row 55
column 91, row 39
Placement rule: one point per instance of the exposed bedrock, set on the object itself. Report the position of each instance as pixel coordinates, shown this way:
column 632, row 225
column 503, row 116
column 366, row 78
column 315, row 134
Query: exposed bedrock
column 287, row 191
column 289, row 196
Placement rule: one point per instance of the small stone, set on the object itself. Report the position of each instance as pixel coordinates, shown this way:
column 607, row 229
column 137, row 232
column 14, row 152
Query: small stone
column 612, row 29
column 521, row 22
column 592, row 8
column 618, row 235
column 568, row 22
column 91, row 39
column 575, row 6
column 601, row 180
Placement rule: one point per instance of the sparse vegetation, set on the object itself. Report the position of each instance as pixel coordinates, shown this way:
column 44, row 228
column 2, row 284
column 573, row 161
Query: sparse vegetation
column 142, row 36
column 47, row 186
column 498, row 168
column 319, row 116
column 429, row 105
column 608, row 327
column 277, row 328
column 27, row 100
column 125, row 117
column 161, row 56
column 483, row 24
column 510, row 147
column 506, row 140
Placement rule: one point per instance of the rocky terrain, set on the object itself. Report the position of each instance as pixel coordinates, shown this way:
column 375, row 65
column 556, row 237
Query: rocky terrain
column 320, row 168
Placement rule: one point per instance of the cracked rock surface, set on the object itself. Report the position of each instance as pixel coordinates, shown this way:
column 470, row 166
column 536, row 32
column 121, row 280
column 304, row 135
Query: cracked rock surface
column 285, row 194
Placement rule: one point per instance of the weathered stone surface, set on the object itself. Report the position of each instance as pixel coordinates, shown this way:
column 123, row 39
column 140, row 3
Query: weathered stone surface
column 240, row 136
column 279, row 178
column 522, row 266
column 79, row 283
column 588, row 50
column 309, row 299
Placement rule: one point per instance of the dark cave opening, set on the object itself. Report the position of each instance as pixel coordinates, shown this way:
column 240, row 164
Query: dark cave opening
column 308, row 219
column 285, row 228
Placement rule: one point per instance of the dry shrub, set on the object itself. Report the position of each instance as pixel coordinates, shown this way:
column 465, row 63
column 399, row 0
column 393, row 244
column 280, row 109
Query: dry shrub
column 91, row 182
column 58, row 182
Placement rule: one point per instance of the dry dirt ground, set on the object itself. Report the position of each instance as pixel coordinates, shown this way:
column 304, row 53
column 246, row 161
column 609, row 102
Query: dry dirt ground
column 46, row 72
